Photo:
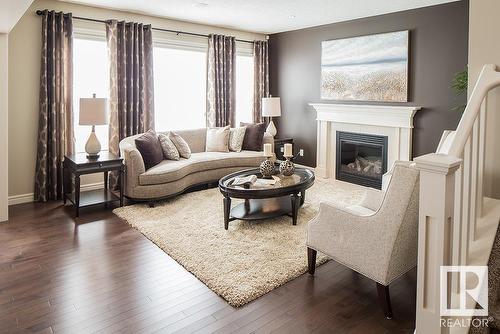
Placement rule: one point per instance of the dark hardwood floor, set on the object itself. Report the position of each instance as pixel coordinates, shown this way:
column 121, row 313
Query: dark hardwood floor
column 97, row 274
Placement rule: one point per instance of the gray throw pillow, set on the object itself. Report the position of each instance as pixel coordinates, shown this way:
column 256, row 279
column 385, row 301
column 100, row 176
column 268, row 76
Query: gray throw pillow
column 150, row 149
column 254, row 136
column 217, row 140
column 236, row 136
column 169, row 150
column 181, row 145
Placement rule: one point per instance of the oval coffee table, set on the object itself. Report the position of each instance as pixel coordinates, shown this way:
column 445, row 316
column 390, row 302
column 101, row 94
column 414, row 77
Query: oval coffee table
column 283, row 198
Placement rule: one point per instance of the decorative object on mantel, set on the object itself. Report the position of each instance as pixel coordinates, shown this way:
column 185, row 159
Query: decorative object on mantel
column 366, row 68
column 271, row 107
column 93, row 111
column 267, row 166
column 286, row 167
column 394, row 122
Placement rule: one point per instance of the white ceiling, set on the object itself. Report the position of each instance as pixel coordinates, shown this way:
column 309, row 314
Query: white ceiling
column 262, row 16
column 10, row 12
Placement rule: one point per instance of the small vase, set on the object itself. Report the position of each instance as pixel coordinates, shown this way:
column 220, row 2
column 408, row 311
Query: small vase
column 267, row 168
column 287, row 168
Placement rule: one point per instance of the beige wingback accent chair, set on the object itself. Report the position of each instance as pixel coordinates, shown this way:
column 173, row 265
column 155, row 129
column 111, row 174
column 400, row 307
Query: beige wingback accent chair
column 377, row 237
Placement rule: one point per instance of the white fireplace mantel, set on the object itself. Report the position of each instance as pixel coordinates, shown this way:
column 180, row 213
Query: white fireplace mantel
column 393, row 116
column 394, row 122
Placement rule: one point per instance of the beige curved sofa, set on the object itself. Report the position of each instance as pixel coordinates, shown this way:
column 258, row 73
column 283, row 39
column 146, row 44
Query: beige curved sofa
column 170, row 177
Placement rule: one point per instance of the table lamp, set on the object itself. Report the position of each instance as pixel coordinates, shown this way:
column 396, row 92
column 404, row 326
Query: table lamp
column 93, row 111
column 271, row 107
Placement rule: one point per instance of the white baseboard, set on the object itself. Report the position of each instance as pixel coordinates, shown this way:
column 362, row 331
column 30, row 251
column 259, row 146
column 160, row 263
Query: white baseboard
column 27, row 198
column 20, row 199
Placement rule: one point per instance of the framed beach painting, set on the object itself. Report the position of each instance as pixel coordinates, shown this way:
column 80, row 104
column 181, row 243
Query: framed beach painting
column 366, row 68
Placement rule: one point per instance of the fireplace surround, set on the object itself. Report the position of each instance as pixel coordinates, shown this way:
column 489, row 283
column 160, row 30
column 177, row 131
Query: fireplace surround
column 395, row 123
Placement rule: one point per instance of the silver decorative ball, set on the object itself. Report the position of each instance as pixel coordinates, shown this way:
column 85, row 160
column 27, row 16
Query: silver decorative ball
column 287, row 168
column 267, row 168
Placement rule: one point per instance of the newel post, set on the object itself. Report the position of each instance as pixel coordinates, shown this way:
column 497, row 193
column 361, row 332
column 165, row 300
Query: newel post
column 437, row 194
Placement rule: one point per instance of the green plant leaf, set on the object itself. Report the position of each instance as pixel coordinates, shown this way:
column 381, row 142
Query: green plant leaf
column 459, row 84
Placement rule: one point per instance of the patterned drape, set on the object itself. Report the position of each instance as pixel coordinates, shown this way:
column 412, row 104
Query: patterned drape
column 261, row 77
column 55, row 124
column 130, row 52
column 221, row 68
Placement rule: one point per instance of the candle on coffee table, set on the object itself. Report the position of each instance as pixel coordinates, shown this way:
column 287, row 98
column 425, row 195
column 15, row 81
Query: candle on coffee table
column 268, row 150
column 288, row 151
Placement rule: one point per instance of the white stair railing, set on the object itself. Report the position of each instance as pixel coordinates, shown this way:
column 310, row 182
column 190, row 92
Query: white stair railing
column 456, row 223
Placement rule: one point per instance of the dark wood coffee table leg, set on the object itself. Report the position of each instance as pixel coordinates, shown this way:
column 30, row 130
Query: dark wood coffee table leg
column 295, row 207
column 227, row 211
column 302, row 197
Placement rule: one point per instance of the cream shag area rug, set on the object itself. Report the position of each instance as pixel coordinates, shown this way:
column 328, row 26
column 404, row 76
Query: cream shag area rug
column 246, row 261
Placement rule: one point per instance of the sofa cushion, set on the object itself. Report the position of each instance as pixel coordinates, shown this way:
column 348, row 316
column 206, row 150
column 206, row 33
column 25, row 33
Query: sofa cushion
column 218, row 139
column 236, row 136
column 150, row 148
column 170, row 170
column 181, row 145
column 196, row 138
column 254, row 136
column 169, row 150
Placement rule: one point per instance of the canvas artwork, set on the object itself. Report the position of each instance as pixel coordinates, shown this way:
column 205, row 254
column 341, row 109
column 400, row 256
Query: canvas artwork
column 366, row 68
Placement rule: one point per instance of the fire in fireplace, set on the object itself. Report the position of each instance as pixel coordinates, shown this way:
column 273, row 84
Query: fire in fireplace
column 361, row 158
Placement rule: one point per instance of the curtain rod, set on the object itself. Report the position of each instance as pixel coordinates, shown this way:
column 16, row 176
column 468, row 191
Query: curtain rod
column 177, row 32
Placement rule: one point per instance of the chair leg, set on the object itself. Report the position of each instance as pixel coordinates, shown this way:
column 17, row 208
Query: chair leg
column 385, row 300
column 311, row 260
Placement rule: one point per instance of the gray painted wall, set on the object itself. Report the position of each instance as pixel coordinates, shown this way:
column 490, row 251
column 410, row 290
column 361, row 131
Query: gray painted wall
column 438, row 49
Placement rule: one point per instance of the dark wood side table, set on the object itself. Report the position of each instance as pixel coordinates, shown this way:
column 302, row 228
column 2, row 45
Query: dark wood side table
column 77, row 165
column 279, row 146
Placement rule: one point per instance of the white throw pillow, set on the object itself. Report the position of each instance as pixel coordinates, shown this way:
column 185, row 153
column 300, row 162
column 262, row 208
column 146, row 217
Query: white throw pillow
column 170, row 152
column 217, row 140
column 236, row 136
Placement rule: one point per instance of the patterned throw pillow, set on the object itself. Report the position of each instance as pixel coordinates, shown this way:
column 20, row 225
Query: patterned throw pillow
column 169, row 150
column 181, row 145
column 217, row 140
column 236, row 136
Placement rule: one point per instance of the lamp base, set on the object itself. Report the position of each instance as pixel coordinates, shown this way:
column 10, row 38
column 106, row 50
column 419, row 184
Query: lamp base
column 93, row 146
column 271, row 129
column 93, row 157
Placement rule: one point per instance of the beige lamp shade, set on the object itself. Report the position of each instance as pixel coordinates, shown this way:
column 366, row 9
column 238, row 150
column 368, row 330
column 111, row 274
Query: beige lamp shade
column 271, row 106
column 93, row 111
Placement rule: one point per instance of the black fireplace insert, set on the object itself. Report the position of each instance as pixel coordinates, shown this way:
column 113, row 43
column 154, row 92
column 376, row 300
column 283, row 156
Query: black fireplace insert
column 361, row 158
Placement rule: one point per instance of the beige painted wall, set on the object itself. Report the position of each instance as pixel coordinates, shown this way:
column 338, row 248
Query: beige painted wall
column 24, row 70
column 484, row 48
column 4, row 214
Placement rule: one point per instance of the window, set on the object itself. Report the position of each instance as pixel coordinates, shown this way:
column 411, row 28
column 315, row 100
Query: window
column 180, row 88
column 244, row 89
column 90, row 75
